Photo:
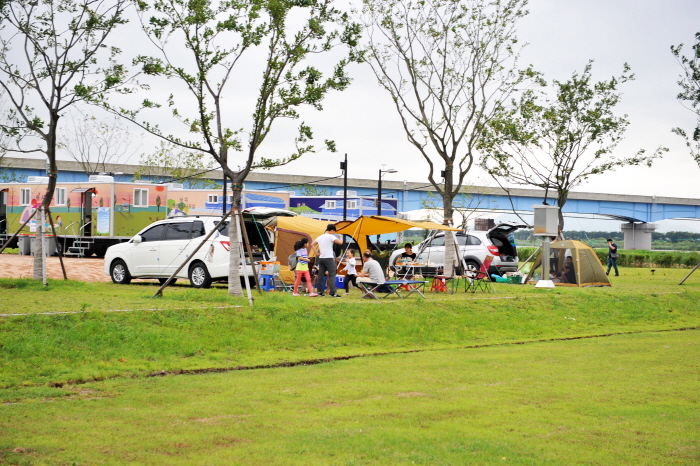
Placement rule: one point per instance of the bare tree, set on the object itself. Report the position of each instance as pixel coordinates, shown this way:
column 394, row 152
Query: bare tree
column 171, row 163
column 449, row 66
column 464, row 205
column 49, row 55
column 558, row 144
column 689, row 83
column 201, row 47
column 94, row 143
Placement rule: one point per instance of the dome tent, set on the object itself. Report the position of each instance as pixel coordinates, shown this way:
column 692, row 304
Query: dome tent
column 588, row 268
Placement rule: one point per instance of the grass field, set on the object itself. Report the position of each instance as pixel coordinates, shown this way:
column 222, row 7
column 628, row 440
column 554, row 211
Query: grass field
column 497, row 379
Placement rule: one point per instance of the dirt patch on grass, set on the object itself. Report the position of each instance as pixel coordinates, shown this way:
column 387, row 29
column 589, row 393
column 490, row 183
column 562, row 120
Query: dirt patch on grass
column 81, row 269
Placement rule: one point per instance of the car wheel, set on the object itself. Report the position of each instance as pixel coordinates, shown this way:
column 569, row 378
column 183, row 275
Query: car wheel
column 163, row 280
column 472, row 267
column 120, row 273
column 199, row 276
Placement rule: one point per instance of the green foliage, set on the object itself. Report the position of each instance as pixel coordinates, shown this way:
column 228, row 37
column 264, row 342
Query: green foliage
column 689, row 82
column 53, row 54
column 557, row 142
column 675, row 240
column 171, row 163
column 637, row 258
column 204, row 47
column 216, row 36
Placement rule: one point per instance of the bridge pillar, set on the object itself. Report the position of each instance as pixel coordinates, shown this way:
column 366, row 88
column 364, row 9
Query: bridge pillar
column 637, row 235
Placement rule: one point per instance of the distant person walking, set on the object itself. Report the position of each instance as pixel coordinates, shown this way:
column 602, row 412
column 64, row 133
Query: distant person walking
column 612, row 257
column 326, row 259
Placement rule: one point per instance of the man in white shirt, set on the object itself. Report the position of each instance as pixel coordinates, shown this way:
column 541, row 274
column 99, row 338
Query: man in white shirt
column 371, row 271
column 323, row 245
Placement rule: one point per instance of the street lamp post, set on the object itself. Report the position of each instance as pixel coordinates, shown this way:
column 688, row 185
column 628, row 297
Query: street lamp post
column 344, row 167
column 379, row 193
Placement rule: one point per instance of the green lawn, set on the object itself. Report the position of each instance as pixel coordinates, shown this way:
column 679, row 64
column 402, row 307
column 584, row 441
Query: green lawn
column 629, row 399
column 77, row 387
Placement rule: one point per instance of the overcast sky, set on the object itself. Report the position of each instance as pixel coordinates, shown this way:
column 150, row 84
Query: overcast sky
column 562, row 35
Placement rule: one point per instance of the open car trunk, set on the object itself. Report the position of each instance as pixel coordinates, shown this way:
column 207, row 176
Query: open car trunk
column 499, row 236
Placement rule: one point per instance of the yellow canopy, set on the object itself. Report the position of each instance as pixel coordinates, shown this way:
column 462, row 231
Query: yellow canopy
column 375, row 225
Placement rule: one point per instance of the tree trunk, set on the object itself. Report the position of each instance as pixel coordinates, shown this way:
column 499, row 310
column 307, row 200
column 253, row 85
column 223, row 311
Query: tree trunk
column 39, row 245
column 448, row 212
column 450, row 252
column 234, row 274
column 562, row 197
column 39, row 255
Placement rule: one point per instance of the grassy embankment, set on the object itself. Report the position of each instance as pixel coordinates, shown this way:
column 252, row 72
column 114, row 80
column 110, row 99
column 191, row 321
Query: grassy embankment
column 626, row 399
column 199, row 329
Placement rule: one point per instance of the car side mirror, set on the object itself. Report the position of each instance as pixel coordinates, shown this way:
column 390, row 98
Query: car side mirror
column 137, row 239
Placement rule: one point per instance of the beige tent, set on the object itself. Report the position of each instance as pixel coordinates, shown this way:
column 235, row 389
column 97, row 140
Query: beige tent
column 589, row 270
column 289, row 231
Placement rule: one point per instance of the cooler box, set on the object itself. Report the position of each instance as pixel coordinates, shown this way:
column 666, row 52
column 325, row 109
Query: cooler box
column 339, row 282
column 269, row 268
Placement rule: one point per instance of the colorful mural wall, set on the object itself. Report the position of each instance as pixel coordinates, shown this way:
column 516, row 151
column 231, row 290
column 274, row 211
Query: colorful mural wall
column 115, row 209
column 332, row 206
column 210, row 202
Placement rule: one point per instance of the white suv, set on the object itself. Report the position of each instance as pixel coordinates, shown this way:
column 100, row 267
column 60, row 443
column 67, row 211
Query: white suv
column 159, row 249
column 474, row 246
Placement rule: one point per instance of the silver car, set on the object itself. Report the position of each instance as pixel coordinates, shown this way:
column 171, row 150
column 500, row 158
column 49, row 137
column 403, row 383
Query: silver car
column 474, row 246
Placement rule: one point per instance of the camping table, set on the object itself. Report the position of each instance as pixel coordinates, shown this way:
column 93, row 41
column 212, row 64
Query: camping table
column 409, row 269
column 394, row 287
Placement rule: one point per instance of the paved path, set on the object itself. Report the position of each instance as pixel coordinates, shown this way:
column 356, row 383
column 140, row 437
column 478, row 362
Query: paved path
column 87, row 270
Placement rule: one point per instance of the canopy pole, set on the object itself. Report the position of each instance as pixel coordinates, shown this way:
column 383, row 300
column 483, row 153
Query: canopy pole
column 347, row 248
column 689, row 274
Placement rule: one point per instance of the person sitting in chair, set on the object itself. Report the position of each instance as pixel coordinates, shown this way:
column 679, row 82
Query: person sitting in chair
column 406, row 257
column 371, row 271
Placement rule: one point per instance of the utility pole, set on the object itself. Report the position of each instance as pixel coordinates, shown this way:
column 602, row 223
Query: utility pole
column 344, row 167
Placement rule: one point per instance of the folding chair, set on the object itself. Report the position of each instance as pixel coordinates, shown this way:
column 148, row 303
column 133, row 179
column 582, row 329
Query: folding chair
column 480, row 279
column 441, row 284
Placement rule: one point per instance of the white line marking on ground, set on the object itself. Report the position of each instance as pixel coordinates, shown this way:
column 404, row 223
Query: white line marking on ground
column 116, row 310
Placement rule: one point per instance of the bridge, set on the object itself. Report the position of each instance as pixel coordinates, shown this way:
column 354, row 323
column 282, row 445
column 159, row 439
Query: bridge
column 637, row 212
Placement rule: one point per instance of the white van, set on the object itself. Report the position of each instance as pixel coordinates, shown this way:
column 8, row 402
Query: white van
column 160, row 248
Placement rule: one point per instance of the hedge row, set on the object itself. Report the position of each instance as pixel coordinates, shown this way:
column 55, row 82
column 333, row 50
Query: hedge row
column 639, row 258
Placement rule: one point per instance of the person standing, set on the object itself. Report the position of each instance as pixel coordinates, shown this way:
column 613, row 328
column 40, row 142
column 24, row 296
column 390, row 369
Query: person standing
column 612, row 257
column 302, row 268
column 326, row 259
